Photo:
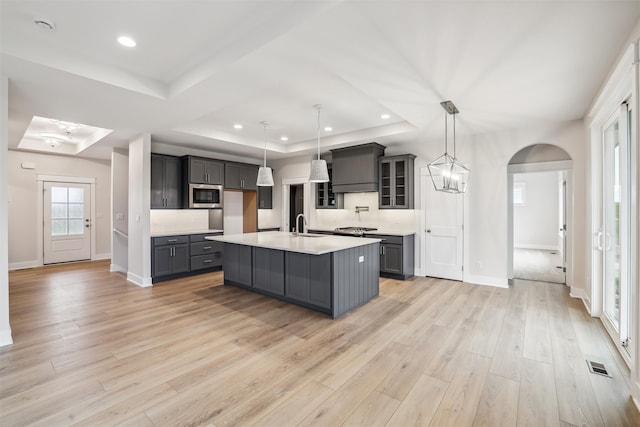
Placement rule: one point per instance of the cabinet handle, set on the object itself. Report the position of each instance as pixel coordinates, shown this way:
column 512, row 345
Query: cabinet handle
column 207, row 247
column 206, row 261
column 172, row 240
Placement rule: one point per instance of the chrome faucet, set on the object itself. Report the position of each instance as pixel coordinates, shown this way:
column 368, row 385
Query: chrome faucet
column 295, row 232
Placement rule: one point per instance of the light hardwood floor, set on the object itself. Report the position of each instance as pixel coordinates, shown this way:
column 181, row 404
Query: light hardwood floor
column 91, row 349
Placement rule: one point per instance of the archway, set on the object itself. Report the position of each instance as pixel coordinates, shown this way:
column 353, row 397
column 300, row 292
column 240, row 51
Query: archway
column 540, row 160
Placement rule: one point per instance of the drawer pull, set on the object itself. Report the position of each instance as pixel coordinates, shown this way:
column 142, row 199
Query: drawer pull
column 172, row 240
column 206, row 247
column 207, row 261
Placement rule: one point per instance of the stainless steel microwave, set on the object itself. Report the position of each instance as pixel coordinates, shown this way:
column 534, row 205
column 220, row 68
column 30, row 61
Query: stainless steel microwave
column 205, row 196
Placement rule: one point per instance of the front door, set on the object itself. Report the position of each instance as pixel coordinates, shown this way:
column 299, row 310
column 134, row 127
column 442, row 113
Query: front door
column 67, row 224
column 444, row 233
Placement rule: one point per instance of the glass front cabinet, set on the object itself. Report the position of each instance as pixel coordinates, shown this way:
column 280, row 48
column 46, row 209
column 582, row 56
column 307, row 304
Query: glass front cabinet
column 325, row 197
column 396, row 182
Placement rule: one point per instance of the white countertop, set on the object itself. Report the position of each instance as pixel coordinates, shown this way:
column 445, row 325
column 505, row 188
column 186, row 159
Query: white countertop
column 181, row 232
column 285, row 241
column 383, row 231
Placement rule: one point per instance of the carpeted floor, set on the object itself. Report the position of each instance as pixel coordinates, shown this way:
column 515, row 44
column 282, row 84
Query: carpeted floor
column 538, row 265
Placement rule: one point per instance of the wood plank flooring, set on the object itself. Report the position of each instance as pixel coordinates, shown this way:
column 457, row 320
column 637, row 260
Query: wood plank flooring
column 91, row 349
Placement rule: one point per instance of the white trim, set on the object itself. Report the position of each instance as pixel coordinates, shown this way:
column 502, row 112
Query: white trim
column 498, row 282
column 143, row 282
column 5, row 337
column 24, row 264
column 106, row 255
column 61, row 178
column 114, row 268
column 541, row 166
column 538, row 247
column 286, row 183
column 580, row 293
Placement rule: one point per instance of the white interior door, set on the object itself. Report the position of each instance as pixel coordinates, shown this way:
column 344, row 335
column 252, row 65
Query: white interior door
column 67, row 223
column 444, row 233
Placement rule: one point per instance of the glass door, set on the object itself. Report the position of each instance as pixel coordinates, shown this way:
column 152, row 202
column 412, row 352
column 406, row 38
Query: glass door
column 614, row 236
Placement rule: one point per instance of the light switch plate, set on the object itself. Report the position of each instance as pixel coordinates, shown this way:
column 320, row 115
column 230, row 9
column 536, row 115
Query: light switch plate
column 361, row 258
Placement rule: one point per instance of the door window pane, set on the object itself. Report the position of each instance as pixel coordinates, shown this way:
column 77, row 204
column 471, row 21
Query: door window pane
column 67, row 211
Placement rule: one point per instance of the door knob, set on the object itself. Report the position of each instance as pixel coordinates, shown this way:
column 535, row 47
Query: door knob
column 428, row 230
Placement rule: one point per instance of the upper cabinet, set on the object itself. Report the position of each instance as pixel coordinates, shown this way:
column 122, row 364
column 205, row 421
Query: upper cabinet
column 199, row 170
column 355, row 169
column 325, row 196
column 239, row 176
column 166, row 182
column 396, row 182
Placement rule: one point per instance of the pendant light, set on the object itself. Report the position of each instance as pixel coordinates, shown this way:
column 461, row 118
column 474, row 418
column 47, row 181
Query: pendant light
column 265, row 175
column 319, row 172
column 447, row 173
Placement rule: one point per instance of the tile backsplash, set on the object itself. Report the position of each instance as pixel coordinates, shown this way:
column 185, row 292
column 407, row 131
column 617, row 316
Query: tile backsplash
column 168, row 220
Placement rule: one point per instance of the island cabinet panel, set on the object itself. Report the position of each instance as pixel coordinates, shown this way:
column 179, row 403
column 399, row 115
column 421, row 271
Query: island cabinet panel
column 268, row 267
column 236, row 263
column 308, row 279
column 355, row 277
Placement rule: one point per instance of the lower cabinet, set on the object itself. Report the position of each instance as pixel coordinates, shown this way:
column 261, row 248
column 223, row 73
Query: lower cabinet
column 236, row 258
column 268, row 267
column 309, row 279
column 176, row 256
column 396, row 255
column 170, row 255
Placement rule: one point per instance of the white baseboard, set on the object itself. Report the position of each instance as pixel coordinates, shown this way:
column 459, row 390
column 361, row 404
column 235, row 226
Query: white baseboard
column 143, row 282
column 24, row 264
column 5, row 337
column 498, row 282
column 539, row 247
column 114, row 268
column 101, row 256
column 581, row 294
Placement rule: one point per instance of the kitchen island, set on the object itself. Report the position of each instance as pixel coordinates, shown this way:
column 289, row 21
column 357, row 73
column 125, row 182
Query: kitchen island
column 330, row 274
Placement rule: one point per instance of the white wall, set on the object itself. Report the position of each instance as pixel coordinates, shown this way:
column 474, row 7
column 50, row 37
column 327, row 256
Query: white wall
column 536, row 223
column 23, row 191
column 139, row 257
column 119, row 209
column 5, row 326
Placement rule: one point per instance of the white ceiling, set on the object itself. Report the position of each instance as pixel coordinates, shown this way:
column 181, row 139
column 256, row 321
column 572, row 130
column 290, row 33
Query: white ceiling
column 202, row 66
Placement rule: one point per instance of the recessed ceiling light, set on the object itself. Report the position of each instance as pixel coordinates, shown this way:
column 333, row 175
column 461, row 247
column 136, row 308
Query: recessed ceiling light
column 126, row 41
column 284, row 138
column 328, row 129
column 237, row 126
column 385, row 116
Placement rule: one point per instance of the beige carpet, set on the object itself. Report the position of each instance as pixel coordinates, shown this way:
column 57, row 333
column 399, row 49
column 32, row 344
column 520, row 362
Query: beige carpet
column 538, row 265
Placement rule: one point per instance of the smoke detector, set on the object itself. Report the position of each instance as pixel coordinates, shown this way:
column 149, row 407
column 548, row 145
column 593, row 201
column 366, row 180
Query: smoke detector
column 44, row 23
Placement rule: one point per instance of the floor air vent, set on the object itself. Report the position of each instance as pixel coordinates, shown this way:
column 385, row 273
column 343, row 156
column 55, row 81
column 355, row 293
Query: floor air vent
column 597, row 368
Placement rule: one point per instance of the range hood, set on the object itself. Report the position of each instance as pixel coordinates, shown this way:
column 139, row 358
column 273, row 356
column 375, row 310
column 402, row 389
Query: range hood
column 355, row 169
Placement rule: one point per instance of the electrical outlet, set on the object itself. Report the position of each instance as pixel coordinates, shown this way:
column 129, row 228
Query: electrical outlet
column 361, row 258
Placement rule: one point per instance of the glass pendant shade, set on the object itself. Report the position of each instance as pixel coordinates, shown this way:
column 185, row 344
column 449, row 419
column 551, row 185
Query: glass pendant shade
column 265, row 177
column 319, row 171
column 265, row 174
column 448, row 174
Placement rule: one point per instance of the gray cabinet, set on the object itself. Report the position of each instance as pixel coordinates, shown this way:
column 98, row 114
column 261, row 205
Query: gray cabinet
column 200, row 170
column 166, row 182
column 170, row 255
column 265, row 197
column 236, row 258
column 309, row 279
column 325, row 197
column 268, row 267
column 239, row 176
column 355, row 169
column 205, row 254
column 396, row 255
column 396, row 182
